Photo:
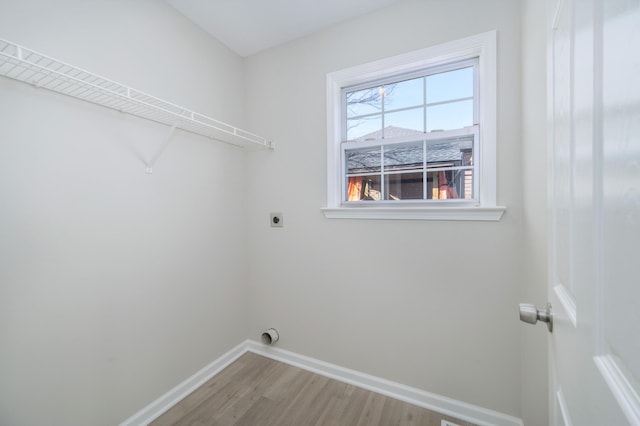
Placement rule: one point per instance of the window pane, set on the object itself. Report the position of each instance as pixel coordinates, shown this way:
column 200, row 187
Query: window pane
column 404, row 94
column 364, row 160
column 405, row 156
column 360, row 188
column 364, row 128
column 404, row 186
column 450, row 85
column 367, row 101
column 412, row 119
column 450, row 184
column 450, row 154
column 455, row 115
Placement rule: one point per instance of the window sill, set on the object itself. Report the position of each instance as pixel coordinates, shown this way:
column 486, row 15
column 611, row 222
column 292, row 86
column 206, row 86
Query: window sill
column 491, row 214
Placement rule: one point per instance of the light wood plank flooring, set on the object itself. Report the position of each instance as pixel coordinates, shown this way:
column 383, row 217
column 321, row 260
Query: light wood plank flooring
column 258, row 391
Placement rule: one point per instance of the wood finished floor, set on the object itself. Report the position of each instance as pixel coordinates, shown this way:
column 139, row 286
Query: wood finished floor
column 258, row 391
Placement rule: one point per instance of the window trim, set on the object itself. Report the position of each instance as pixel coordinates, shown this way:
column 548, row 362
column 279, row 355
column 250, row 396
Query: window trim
column 483, row 46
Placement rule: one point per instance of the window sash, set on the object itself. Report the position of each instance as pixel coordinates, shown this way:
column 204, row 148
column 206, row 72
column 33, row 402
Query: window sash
column 427, row 139
column 424, row 105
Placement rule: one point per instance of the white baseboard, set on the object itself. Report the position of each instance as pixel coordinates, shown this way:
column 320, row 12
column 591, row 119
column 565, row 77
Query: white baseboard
column 175, row 395
column 451, row 407
column 461, row 410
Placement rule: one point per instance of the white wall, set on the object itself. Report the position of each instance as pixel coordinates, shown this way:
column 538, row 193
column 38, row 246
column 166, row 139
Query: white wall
column 429, row 304
column 115, row 285
column 534, row 190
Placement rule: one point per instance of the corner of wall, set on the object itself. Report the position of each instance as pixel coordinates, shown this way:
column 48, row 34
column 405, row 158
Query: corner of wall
column 534, row 263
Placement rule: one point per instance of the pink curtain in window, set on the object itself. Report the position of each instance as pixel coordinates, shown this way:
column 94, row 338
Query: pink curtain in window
column 354, row 192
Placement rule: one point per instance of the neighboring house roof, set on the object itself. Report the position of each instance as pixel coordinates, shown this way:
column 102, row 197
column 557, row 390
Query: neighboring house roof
column 403, row 156
column 391, row 132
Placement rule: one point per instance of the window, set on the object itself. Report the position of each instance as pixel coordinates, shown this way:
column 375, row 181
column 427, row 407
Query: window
column 413, row 136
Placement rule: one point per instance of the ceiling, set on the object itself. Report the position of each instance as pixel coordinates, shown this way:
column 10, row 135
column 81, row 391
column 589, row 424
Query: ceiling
column 250, row 26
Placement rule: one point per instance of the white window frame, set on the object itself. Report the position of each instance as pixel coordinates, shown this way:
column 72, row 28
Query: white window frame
column 483, row 47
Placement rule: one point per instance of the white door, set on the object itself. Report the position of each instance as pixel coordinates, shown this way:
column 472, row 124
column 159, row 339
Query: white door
column 594, row 279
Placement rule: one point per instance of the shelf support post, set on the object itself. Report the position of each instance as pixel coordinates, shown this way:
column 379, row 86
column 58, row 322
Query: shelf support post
column 149, row 168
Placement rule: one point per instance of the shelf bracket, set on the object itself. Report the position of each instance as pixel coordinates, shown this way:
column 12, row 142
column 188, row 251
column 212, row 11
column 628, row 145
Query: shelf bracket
column 165, row 143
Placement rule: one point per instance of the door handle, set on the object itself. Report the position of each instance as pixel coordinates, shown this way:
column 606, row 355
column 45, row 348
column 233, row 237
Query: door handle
column 530, row 314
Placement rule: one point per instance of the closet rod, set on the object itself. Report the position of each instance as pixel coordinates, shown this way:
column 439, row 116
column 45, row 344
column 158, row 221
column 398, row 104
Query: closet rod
column 26, row 65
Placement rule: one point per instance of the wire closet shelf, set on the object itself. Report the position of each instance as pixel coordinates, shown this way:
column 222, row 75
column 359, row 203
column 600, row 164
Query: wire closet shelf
column 26, row 65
